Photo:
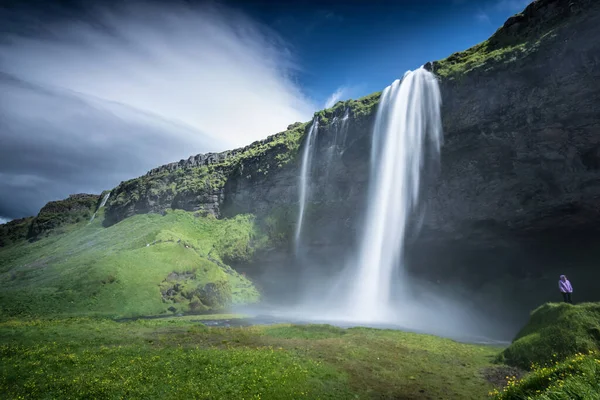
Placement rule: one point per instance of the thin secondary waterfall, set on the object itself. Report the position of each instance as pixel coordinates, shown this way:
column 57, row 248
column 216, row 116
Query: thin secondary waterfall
column 307, row 155
column 102, row 204
column 104, row 200
column 407, row 121
column 341, row 129
column 339, row 126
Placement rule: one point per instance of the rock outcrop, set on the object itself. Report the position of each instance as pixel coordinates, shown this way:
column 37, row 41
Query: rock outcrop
column 76, row 208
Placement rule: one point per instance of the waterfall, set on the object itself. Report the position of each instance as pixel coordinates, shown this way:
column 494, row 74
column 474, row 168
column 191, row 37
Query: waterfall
column 102, row 204
column 307, row 155
column 104, row 200
column 341, row 129
column 407, row 121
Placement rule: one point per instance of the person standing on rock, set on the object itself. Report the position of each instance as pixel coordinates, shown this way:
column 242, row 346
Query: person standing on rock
column 565, row 288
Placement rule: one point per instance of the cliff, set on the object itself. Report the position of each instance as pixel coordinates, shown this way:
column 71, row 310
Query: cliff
column 515, row 200
column 520, row 112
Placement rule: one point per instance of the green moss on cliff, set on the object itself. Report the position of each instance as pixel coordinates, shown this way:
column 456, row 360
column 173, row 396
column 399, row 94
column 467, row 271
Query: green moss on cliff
column 555, row 332
column 521, row 34
column 285, row 145
column 358, row 108
column 74, row 209
column 477, row 56
column 119, row 270
column 192, row 187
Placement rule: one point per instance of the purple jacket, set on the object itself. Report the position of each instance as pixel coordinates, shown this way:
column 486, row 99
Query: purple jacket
column 565, row 286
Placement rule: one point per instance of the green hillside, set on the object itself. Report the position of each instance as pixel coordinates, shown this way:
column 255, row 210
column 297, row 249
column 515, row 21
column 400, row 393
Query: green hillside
column 144, row 265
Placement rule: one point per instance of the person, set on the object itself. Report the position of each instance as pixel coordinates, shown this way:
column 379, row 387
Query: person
column 565, row 288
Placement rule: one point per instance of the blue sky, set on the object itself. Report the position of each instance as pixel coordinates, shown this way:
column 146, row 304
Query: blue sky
column 94, row 92
column 363, row 46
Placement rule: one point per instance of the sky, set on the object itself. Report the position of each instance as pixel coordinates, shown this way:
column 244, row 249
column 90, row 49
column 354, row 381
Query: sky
column 96, row 92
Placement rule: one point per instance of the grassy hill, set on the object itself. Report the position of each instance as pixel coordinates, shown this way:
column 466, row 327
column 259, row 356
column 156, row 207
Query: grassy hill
column 561, row 347
column 143, row 265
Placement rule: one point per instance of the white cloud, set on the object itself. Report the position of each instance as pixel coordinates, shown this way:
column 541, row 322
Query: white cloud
column 96, row 100
column 210, row 67
column 483, row 17
column 4, row 220
column 336, row 96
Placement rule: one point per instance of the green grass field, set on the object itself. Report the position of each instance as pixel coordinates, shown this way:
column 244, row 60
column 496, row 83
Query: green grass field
column 178, row 359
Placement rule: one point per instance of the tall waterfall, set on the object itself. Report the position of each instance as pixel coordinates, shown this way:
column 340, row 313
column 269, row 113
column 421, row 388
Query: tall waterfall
column 407, row 121
column 307, row 155
column 102, row 204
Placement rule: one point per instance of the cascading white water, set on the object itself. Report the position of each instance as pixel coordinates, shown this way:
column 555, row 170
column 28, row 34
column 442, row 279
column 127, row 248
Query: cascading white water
column 342, row 129
column 102, row 204
column 339, row 126
column 304, row 179
column 104, row 200
column 407, row 119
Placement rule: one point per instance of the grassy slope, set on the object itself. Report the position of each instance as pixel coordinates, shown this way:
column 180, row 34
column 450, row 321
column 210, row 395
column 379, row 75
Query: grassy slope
column 555, row 332
column 561, row 347
column 182, row 359
column 112, row 271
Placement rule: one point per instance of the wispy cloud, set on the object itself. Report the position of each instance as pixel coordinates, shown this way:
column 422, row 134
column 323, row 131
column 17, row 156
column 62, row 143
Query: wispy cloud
column 106, row 94
column 482, row 17
column 512, row 5
column 4, row 220
column 336, row 96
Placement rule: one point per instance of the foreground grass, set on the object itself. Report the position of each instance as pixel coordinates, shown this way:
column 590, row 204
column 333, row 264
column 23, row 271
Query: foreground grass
column 577, row 377
column 99, row 358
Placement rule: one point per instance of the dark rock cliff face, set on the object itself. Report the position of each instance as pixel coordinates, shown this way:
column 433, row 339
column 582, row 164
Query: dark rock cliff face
column 522, row 138
column 517, row 201
column 517, row 195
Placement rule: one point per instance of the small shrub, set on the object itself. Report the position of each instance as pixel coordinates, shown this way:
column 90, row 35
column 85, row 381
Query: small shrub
column 109, row 279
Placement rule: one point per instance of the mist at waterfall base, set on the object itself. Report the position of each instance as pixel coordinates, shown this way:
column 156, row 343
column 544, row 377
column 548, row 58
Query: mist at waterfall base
column 370, row 287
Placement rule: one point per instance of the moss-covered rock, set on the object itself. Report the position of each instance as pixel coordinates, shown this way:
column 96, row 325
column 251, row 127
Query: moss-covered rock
column 188, row 292
column 216, row 295
column 74, row 209
column 555, row 332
